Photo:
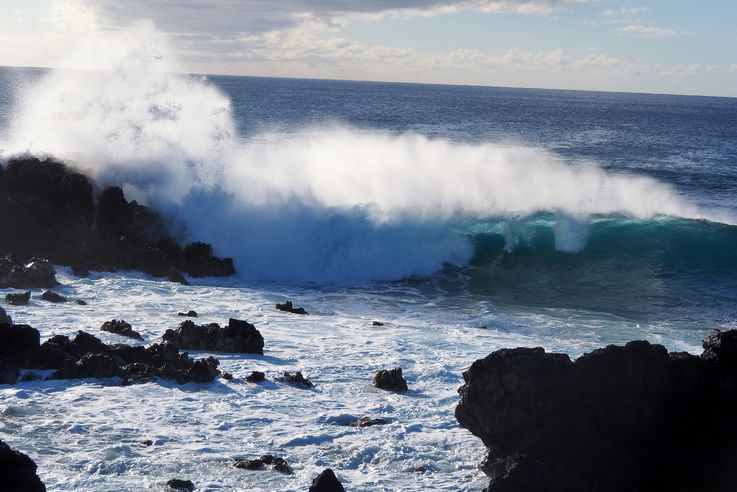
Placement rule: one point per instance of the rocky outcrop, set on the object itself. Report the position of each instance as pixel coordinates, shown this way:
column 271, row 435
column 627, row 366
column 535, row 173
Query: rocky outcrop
column 15, row 274
column 18, row 472
column 619, row 418
column 5, row 317
column 121, row 327
column 391, row 380
column 86, row 356
column 238, row 337
column 18, row 299
column 48, row 210
column 288, row 307
column 326, row 482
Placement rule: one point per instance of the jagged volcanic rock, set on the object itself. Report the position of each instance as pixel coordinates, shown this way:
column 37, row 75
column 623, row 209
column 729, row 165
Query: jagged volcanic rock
column 121, row 327
column 48, row 210
column 326, row 481
column 618, row 418
column 391, row 380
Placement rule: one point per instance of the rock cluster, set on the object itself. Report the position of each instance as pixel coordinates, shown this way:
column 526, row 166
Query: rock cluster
column 15, row 274
column 18, row 472
column 238, row 337
column 85, row 356
column 619, row 418
column 48, row 210
column 296, row 379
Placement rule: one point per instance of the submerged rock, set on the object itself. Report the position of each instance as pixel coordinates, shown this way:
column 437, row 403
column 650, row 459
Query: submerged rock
column 51, row 296
column 391, row 380
column 121, row 327
column 20, row 299
column 326, row 482
column 619, row 418
column 377, row 323
column 238, row 337
column 18, row 472
column 189, row 314
column 256, row 377
column 267, row 460
column 367, row 422
column 296, row 379
column 289, row 308
column 179, row 484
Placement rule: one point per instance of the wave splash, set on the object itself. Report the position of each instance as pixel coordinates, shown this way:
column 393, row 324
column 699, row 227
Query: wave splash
column 330, row 205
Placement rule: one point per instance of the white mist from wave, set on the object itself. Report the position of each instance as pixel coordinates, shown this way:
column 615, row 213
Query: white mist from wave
column 325, row 205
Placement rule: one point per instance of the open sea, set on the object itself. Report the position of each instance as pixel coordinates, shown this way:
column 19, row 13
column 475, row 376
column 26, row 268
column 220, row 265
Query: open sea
column 466, row 219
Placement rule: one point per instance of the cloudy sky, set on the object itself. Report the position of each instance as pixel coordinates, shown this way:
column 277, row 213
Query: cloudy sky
column 666, row 46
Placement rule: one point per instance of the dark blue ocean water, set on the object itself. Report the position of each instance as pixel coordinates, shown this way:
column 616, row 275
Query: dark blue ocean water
column 669, row 269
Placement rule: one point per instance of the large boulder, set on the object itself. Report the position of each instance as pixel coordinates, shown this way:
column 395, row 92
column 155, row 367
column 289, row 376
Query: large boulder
column 326, row 481
column 17, row 342
column 238, row 337
column 618, row 418
column 18, row 472
column 391, row 380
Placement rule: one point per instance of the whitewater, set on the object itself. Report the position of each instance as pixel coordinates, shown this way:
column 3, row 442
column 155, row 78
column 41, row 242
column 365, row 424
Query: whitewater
column 464, row 219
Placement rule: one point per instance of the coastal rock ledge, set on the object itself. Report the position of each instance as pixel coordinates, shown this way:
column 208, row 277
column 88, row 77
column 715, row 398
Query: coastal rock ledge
column 629, row 418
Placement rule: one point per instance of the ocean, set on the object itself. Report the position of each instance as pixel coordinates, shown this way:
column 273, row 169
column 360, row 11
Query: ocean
column 466, row 219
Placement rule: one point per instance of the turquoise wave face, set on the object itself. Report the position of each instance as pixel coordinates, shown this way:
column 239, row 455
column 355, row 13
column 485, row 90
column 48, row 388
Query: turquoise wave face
column 674, row 269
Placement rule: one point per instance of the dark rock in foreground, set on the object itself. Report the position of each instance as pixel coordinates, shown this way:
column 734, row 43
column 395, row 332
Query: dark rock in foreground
column 20, row 299
column 5, row 317
column 267, row 460
column 14, row 274
column 51, row 296
column 18, row 472
column 179, row 484
column 289, row 308
column 618, row 418
column 48, row 210
column 296, row 379
column 238, row 337
column 391, row 380
column 86, row 356
column 121, row 327
column 326, row 482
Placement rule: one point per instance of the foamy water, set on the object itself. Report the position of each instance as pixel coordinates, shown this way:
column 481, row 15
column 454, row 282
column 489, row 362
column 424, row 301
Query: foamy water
column 86, row 435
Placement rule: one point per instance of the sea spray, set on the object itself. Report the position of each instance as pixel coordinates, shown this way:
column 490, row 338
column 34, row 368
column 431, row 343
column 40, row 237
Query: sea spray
column 331, row 204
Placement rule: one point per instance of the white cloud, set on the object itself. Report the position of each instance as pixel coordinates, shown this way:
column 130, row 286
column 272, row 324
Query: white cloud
column 641, row 31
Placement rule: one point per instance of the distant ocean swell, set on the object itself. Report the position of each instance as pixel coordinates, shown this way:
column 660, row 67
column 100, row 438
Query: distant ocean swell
column 337, row 205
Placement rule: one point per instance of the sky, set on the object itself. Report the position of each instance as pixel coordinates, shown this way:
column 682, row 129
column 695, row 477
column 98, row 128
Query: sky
column 661, row 46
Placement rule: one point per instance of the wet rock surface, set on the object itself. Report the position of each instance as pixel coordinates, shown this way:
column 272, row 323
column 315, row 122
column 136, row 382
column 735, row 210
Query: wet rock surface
column 51, row 296
column 326, row 482
column 189, row 314
column 18, row 472
column 289, row 308
column 256, row 377
column 18, row 299
column 121, row 327
column 238, row 337
column 179, row 484
column 391, row 380
column 48, row 210
column 630, row 417
column 266, row 461
column 367, row 422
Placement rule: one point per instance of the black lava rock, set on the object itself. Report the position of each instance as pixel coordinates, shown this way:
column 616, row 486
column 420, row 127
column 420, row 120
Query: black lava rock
column 51, row 296
column 18, row 472
column 289, row 308
column 255, row 377
column 20, row 299
column 296, row 379
column 179, row 484
column 391, row 380
column 120, row 327
column 189, row 314
column 326, row 482
column 238, row 337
